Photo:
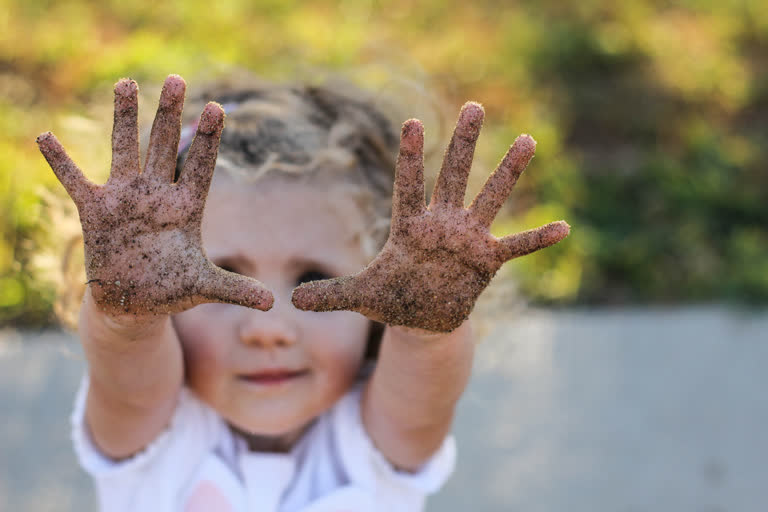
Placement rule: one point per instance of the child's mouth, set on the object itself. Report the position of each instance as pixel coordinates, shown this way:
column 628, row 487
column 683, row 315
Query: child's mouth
column 273, row 376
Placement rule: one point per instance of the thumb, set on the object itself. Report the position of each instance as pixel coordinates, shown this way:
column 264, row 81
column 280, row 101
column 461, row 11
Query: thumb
column 218, row 285
column 526, row 242
column 337, row 294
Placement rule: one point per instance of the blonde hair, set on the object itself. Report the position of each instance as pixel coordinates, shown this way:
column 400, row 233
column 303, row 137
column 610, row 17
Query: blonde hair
column 332, row 135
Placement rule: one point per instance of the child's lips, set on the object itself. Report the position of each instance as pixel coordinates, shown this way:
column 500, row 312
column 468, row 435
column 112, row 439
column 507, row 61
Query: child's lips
column 273, row 376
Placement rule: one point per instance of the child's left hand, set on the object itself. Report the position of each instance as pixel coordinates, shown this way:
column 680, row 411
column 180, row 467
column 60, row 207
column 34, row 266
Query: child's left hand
column 438, row 258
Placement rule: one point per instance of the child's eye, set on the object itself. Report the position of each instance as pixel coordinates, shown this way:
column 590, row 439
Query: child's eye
column 312, row 275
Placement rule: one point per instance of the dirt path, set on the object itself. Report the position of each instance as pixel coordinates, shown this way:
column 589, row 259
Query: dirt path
column 626, row 411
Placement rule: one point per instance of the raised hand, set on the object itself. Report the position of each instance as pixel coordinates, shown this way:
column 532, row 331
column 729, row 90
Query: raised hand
column 143, row 246
column 438, row 258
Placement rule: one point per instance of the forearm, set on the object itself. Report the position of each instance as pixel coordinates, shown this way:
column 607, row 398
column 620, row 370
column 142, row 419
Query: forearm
column 135, row 370
column 409, row 402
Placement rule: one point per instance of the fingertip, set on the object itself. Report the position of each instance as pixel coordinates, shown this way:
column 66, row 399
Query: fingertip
column 524, row 145
column 562, row 228
column 174, row 88
column 175, row 81
column 126, row 97
column 300, row 297
column 265, row 301
column 412, row 127
column 473, row 112
column 43, row 138
column 211, row 119
column 126, row 87
column 247, row 293
column 49, row 145
column 470, row 120
column 244, row 291
column 526, row 140
column 555, row 232
column 412, row 137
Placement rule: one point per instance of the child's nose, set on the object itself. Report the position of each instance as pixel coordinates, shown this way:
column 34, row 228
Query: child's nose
column 269, row 329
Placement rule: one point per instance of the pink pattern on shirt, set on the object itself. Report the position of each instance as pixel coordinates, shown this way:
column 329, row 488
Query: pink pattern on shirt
column 207, row 497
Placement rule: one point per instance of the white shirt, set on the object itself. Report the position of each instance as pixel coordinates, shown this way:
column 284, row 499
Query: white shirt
column 198, row 464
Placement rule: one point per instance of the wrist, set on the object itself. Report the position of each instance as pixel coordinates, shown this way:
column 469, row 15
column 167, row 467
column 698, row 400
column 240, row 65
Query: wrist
column 422, row 335
column 116, row 326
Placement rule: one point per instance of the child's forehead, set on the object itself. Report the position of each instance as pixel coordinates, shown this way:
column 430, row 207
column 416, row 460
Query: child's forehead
column 227, row 179
column 307, row 202
column 276, row 220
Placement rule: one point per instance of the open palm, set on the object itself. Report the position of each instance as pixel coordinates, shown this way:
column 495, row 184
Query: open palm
column 143, row 246
column 440, row 257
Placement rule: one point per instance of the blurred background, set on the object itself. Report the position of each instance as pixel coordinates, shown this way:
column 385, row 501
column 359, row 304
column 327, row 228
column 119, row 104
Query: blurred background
column 652, row 125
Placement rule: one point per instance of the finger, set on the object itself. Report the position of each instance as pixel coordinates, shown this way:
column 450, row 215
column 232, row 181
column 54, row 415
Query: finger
column 75, row 183
column 335, row 294
column 408, row 198
column 457, row 162
column 526, row 242
column 218, row 285
column 500, row 184
column 166, row 130
column 201, row 159
column 125, row 131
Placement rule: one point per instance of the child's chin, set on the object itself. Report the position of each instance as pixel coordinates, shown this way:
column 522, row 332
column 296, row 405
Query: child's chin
column 271, row 438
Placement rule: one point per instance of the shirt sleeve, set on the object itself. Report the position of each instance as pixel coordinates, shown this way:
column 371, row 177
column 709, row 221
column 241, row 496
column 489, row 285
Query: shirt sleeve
column 367, row 467
column 160, row 470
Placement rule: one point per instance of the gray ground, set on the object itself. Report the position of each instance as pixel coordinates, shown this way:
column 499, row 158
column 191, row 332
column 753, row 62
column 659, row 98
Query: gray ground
column 625, row 411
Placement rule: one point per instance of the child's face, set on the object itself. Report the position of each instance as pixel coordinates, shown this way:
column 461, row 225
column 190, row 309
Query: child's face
column 270, row 373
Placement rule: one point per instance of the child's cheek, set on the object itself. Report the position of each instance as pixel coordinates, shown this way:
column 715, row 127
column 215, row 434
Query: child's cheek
column 202, row 355
column 339, row 339
column 204, row 370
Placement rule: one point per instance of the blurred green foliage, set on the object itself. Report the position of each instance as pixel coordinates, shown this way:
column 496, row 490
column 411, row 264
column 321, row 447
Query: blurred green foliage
column 651, row 119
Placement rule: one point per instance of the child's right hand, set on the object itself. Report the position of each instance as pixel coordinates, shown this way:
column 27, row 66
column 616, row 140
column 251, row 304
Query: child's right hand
column 143, row 246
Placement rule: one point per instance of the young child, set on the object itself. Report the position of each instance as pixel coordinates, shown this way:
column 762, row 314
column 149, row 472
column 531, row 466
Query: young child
column 208, row 389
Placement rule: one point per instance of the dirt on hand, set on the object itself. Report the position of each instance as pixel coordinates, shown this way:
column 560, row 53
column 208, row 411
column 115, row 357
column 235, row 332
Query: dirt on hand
column 141, row 230
column 439, row 257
